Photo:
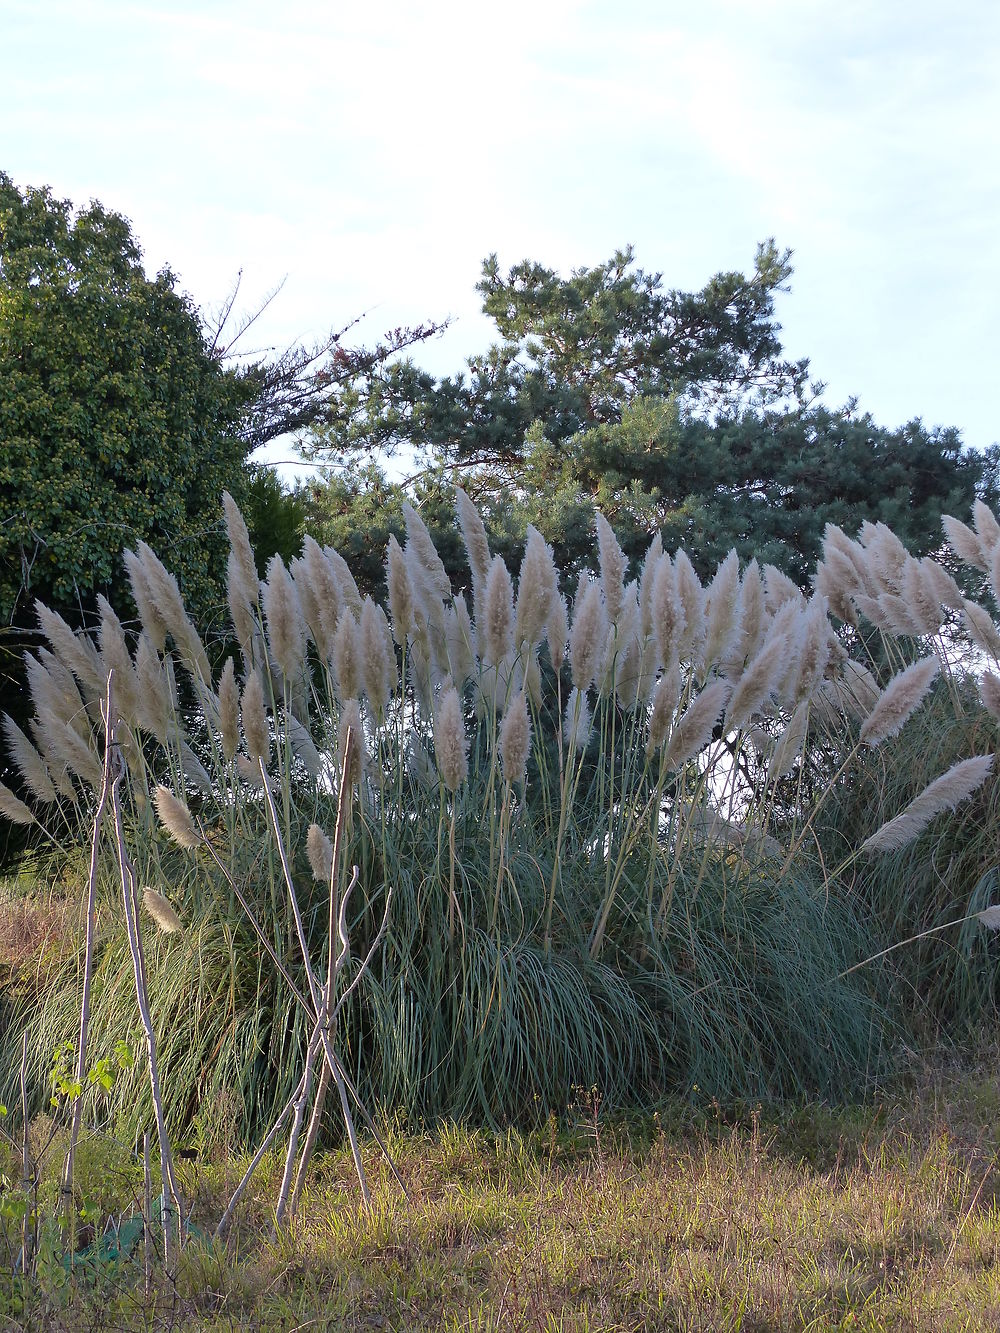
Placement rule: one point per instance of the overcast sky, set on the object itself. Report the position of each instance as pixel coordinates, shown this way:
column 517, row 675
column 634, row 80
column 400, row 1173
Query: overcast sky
column 374, row 155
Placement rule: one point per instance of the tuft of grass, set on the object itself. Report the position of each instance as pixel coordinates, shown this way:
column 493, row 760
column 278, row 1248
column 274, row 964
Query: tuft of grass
column 699, row 1217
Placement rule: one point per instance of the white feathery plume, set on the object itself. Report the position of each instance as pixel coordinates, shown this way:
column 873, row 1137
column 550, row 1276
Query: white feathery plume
column 54, row 692
column 754, row 622
column 154, row 699
column 789, row 745
column 323, row 603
column 450, row 741
column 164, row 590
column 990, row 917
column 885, row 554
column 576, row 730
column 303, row 747
column 349, row 592
column 346, row 658
column 50, row 743
column 989, row 692
column 920, row 597
column 194, row 770
column 628, row 672
column 461, row 638
column 357, row 757
column 14, row 809
column 557, row 632
column 306, row 594
column 286, row 626
column 533, row 678
column 722, row 610
column 987, row 527
column 255, row 728
column 693, row 730
column 940, row 584
column 142, row 594
column 779, row 589
column 239, row 544
column 588, row 633
column 646, row 579
column 241, row 610
column 319, row 851
column 429, row 563
column 666, row 696
column 160, row 910
column 964, row 542
column 229, row 710
column 115, row 656
column 496, row 634
column 378, row 657
column 836, row 540
column 400, row 593
column 898, row 615
column 944, row 793
column 667, row 610
column 536, row 587
column 814, row 657
column 176, row 818
column 899, row 700
column 692, row 597
column 30, row 764
column 75, row 651
column 758, row 682
column 515, row 739
column 981, row 628
column 477, row 546
column 836, row 580
column 613, row 564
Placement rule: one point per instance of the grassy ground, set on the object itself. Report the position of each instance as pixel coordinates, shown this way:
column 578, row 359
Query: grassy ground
column 805, row 1218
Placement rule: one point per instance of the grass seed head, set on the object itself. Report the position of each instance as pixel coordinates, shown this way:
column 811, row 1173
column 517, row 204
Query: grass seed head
column 176, row 818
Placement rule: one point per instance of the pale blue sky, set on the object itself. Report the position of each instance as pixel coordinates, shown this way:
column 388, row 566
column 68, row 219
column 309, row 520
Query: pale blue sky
column 374, row 155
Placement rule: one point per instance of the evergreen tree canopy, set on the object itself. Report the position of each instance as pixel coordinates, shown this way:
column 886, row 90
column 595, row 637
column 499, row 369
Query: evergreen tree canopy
column 669, row 410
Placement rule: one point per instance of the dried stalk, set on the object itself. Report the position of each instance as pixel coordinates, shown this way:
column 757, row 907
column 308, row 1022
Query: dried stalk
column 171, row 1195
column 88, row 964
column 147, row 1218
column 27, row 1167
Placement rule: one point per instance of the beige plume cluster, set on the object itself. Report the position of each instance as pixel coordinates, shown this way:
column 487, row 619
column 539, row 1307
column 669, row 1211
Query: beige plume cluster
column 744, row 654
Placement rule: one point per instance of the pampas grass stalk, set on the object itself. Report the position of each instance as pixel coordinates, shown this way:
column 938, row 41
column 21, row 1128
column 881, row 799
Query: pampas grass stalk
column 944, row 793
column 588, row 634
column 536, row 587
column 898, row 701
column 964, row 542
column 496, row 634
column 694, row 729
column 176, row 818
column 477, row 545
column 160, row 909
column 286, row 626
column 30, row 764
column 613, row 566
column 256, row 732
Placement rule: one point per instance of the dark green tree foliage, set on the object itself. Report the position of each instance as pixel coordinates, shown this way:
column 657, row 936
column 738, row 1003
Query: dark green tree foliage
column 117, row 421
column 668, row 410
column 124, row 416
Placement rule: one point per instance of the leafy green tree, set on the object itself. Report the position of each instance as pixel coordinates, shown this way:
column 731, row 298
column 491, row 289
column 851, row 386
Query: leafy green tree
column 123, row 415
column 117, row 422
column 669, row 410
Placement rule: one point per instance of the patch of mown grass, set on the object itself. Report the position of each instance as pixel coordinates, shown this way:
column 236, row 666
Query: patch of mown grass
column 696, row 1218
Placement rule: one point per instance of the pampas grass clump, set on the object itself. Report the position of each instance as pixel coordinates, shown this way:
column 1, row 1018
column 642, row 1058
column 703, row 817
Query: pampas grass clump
column 621, row 859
